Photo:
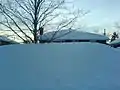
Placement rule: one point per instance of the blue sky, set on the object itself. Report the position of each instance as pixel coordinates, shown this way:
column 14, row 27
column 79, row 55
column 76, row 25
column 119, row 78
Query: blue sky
column 103, row 13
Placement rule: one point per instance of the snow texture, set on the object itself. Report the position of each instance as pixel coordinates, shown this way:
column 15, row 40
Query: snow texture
column 117, row 41
column 3, row 38
column 78, row 66
column 73, row 34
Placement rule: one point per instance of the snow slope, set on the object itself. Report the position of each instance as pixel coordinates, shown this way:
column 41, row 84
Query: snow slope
column 79, row 66
column 73, row 34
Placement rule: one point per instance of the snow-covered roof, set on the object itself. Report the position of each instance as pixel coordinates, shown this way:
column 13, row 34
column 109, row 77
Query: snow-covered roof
column 3, row 38
column 72, row 35
column 117, row 41
column 79, row 66
column 6, row 39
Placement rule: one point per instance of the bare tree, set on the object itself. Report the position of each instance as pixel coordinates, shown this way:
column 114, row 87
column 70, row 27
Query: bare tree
column 32, row 15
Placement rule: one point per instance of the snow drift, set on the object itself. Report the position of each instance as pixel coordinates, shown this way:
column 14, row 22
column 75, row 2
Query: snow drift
column 78, row 66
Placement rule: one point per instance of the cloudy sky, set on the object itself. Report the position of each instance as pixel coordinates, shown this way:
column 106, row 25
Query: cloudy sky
column 103, row 13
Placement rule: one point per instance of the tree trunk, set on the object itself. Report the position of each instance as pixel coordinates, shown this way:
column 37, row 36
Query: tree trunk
column 35, row 23
column 35, row 37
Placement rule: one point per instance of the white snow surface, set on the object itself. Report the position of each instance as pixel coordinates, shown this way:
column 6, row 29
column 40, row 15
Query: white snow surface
column 73, row 34
column 3, row 38
column 6, row 39
column 117, row 41
column 78, row 66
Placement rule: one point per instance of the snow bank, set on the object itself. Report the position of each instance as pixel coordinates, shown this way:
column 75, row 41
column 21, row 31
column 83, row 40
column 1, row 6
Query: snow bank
column 79, row 66
column 73, row 34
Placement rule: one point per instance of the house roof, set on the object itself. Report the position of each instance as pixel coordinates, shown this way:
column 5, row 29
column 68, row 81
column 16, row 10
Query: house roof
column 6, row 39
column 72, row 35
column 117, row 41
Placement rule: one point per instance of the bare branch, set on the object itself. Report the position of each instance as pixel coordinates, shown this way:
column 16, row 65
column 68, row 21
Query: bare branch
column 9, row 26
column 59, row 28
column 34, row 14
column 47, row 21
column 62, row 35
column 22, row 21
column 16, row 24
column 49, row 10
column 25, row 9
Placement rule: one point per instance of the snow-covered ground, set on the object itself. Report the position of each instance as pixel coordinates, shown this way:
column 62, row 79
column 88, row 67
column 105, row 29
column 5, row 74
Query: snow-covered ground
column 118, row 49
column 78, row 66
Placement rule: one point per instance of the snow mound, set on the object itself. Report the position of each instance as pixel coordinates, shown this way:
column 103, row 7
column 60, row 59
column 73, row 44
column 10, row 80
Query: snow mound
column 79, row 66
column 73, row 35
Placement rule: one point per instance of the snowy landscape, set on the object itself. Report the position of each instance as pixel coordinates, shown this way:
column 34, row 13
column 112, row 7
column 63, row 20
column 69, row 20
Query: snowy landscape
column 59, row 45
column 71, row 66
